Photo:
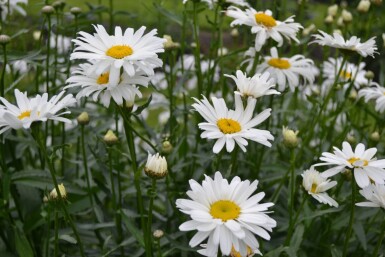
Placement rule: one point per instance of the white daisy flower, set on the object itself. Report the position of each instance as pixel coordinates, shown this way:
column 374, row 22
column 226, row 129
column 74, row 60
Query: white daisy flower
column 264, row 25
column 316, row 186
column 362, row 161
column 233, row 253
column 211, row 3
column 376, row 93
column 353, row 44
column 375, row 194
column 232, row 126
column 14, row 5
column 288, row 70
column 350, row 73
column 256, row 86
column 29, row 110
column 132, row 51
column 225, row 213
column 100, row 85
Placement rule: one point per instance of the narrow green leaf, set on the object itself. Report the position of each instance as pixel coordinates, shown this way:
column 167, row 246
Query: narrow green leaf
column 23, row 247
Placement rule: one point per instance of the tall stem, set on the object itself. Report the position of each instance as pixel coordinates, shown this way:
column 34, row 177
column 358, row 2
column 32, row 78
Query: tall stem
column 149, row 222
column 3, row 70
column 56, row 224
column 292, row 186
column 48, row 52
column 197, row 50
column 350, row 227
column 379, row 243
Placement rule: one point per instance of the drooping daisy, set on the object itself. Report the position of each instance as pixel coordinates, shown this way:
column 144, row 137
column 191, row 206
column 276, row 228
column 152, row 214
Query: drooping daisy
column 211, row 3
column 264, row 25
column 100, row 85
column 353, row 44
column 225, row 213
column 232, row 126
column 375, row 194
column 14, row 5
column 132, row 51
column 316, row 186
column 376, row 93
column 350, row 73
column 362, row 161
column 29, row 110
column 288, row 70
column 256, row 86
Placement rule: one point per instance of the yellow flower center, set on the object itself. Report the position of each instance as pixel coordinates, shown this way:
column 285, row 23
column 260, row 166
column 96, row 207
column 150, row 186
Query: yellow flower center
column 346, row 75
column 313, row 188
column 119, row 51
column 279, row 63
column 354, row 159
column 228, row 126
column 23, row 115
column 103, row 78
column 265, row 20
column 235, row 253
column 225, row 210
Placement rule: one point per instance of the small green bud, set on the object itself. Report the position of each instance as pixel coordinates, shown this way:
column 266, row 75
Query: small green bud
column 110, row 138
column 83, row 118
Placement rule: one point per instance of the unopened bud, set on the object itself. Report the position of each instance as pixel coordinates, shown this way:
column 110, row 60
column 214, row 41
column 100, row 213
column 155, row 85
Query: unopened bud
column 166, row 147
column 375, row 136
column 158, row 234
column 76, row 10
column 4, row 39
column 156, row 166
column 329, row 19
column 353, row 94
column 58, row 5
column 110, row 138
column 169, row 44
column 308, row 30
column 332, row 10
column 193, row 45
column 363, row 6
column 222, row 51
column 53, row 195
column 83, row 118
column 350, row 138
column 290, row 138
column 48, row 9
column 340, row 22
column 369, row 75
column 234, row 32
column 36, row 35
column 347, row 16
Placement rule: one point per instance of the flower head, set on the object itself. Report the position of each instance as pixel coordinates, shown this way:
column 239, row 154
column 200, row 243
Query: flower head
column 288, row 71
column 156, row 166
column 226, row 214
column 134, row 51
column 316, row 185
column 264, row 25
column 53, row 195
column 362, row 161
column 353, row 44
column 375, row 194
column 376, row 93
column 232, row 126
column 256, row 86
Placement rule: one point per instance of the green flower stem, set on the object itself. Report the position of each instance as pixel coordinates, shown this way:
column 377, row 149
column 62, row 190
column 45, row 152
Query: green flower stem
column 56, row 50
column 137, row 173
column 380, row 239
column 234, row 161
column 111, row 14
column 158, row 248
column 116, row 206
column 292, row 186
column 56, row 225
column 351, row 220
column 292, row 226
column 149, row 222
column 48, row 53
column 197, row 52
column 3, row 70
column 36, row 133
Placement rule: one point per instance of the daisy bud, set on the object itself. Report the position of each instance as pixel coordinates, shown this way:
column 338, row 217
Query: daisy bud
column 375, row 136
column 340, row 22
column 353, row 94
column 347, row 16
column 158, row 234
column 290, row 139
column 193, row 45
column 369, row 75
column 308, row 30
column 156, row 166
column 36, row 35
column 332, row 10
column 45, row 199
column 110, row 138
column 363, row 6
column 83, row 118
column 329, row 19
column 166, row 147
column 234, row 32
column 58, row 5
column 4, row 39
column 48, row 10
column 222, row 51
column 350, row 138
column 76, row 10
column 53, row 195
column 337, row 31
column 169, row 44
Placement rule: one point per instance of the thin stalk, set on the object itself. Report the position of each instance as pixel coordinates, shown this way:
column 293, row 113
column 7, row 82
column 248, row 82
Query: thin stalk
column 292, row 186
column 56, row 224
column 149, row 222
column 351, row 220
column 36, row 132
column 234, row 161
column 197, row 52
column 48, row 52
column 292, row 226
column 3, row 70
column 381, row 237
column 111, row 14
column 158, row 247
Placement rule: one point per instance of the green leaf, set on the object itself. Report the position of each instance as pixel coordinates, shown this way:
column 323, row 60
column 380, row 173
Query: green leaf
column 296, row 241
column 68, row 239
column 277, row 252
column 360, row 232
column 144, row 106
column 130, row 225
column 335, row 251
column 172, row 16
column 23, row 247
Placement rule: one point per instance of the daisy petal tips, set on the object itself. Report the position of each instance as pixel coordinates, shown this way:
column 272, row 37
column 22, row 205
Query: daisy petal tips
column 230, row 127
